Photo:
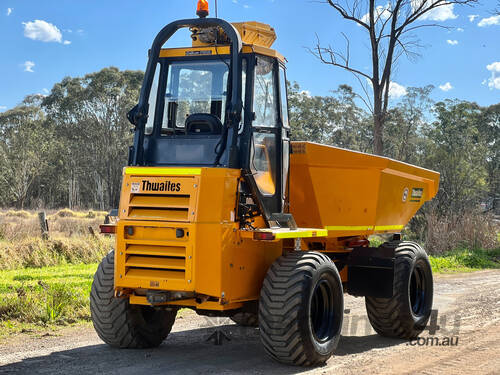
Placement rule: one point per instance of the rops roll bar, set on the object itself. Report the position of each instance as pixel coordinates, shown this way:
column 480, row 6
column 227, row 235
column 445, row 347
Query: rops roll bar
column 138, row 115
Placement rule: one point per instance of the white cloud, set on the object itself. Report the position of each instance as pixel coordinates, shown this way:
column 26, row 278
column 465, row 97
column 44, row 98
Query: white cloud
column 66, row 42
column 452, row 42
column 460, row 30
column 494, row 81
column 446, row 87
column 440, row 13
column 9, row 11
column 493, row 20
column 3, row 107
column 43, row 31
column 472, row 17
column 45, row 91
column 396, row 90
column 380, row 12
column 28, row 66
column 246, row 6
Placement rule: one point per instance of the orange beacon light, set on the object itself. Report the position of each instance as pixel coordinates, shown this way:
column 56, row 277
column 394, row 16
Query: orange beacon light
column 202, row 10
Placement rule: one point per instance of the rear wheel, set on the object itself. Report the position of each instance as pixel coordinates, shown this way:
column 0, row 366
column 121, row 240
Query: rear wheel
column 301, row 309
column 406, row 313
column 120, row 324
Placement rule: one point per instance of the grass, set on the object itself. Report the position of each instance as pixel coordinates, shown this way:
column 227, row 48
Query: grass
column 37, row 300
column 35, row 252
column 45, row 284
column 41, row 299
column 465, row 260
column 70, row 239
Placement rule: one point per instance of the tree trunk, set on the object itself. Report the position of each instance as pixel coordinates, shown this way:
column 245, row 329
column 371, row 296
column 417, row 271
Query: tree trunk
column 378, row 121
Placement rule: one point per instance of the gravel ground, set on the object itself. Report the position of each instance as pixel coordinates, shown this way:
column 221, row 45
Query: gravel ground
column 468, row 311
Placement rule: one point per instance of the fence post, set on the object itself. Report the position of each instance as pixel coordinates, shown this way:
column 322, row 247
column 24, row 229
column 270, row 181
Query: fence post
column 44, row 225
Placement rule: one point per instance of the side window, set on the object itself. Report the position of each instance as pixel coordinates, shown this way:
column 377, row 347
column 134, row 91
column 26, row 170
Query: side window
column 263, row 162
column 152, row 102
column 243, row 94
column 264, row 93
column 284, row 101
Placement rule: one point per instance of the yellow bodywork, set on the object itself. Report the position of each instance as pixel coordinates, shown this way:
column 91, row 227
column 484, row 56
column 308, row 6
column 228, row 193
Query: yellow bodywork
column 211, row 258
column 351, row 193
column 178, row 231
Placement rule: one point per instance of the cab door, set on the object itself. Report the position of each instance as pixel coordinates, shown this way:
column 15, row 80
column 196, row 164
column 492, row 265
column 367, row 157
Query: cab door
column 269, row 144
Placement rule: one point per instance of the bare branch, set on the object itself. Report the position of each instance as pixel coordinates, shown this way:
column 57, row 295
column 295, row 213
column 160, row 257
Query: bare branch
column 348, row 15
column 390, row 31
column 330, row 57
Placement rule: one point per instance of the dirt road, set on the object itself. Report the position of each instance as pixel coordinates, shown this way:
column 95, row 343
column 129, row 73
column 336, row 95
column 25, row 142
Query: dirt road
column 468, row 309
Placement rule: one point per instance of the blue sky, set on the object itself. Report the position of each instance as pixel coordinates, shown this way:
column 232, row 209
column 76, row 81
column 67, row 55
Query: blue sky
column 44, row 41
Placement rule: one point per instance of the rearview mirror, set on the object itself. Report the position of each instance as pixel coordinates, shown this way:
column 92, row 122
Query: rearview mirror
column 133, row 115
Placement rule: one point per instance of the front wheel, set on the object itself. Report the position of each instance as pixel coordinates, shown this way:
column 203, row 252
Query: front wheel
column 120, row 324
column 301, row 309
column 406, row 313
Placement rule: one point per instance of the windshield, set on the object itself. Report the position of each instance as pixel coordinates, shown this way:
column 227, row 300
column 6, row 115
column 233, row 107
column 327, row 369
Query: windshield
column 194, row 88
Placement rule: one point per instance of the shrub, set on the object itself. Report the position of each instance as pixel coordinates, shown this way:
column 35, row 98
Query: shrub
column 66, row 212
column 465, row 230
column 18, row 213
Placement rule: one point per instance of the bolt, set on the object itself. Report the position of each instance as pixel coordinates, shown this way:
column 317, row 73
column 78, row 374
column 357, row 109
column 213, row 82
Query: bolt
column 223, row 294
column 189, row 281
column 192, row 213
column 120, row 276
column 123, row 210
column 195, row 185
column 121, row 252
column 189, row 257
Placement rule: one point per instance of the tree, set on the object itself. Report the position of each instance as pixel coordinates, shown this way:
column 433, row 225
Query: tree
column 352, row 130
column 24, row 145
column 489, row 127
column 312, row 118
column 390, row 30
column 404, row 139
column 89, row 114
column 458, row 151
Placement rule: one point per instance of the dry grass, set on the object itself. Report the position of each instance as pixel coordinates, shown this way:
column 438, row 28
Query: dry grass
column 469, row 230
column 69, row 241
column 35, row 252
column 19, row 225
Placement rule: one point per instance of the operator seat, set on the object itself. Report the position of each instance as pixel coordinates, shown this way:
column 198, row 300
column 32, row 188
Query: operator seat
column 203, row 123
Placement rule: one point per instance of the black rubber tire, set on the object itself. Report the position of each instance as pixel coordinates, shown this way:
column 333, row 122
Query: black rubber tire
column 246, row 319
column 406, row 314
column 120, row 324
column 293, row 328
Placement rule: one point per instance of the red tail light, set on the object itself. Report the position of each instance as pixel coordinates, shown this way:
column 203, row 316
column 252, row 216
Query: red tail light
column 107, row 228
column 359, row 242
column 263, row 236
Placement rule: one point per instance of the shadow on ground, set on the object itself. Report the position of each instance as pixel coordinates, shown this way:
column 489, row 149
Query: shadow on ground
column 184, row 352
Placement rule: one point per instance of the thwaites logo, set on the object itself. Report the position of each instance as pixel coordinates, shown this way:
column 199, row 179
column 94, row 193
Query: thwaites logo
column 161, row 186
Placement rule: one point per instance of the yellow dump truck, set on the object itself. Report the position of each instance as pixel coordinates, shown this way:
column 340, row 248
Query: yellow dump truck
column 221, row 213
